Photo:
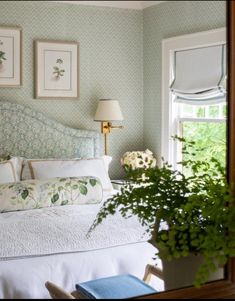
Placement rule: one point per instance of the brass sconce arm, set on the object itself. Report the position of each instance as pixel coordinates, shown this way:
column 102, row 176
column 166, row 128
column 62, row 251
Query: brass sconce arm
column 106, row 127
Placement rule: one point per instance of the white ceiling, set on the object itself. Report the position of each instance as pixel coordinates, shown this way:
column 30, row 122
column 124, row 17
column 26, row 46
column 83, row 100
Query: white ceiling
column 120, row 4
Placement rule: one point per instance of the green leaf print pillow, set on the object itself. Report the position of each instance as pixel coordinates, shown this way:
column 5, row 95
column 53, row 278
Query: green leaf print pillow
column 35, row 194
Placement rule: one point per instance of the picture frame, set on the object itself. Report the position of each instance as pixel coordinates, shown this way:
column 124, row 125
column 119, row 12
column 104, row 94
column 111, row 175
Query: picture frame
column 10, row 56
column 56, row 69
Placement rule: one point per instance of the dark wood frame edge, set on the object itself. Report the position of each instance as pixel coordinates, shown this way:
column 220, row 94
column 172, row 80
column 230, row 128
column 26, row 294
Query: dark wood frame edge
column 231, row 110
column 224, row 289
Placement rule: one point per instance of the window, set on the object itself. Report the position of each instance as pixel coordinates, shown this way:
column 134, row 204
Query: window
column 194, row 106
column 206, row 126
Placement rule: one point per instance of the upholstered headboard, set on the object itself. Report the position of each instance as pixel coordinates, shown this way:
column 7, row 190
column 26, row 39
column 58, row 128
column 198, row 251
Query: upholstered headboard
column 29, row 134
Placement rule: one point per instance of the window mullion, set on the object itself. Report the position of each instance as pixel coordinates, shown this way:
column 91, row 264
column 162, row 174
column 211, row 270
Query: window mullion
column 209, row 120
column 207, row 112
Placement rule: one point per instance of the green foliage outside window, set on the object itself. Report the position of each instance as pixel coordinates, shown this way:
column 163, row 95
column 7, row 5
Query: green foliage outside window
column 209, row 138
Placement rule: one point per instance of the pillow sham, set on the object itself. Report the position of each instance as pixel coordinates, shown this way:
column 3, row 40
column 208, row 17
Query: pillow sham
column 47, row 169
column 107, row 161
column 26, row 173
column 10, row 170
column 36, row 194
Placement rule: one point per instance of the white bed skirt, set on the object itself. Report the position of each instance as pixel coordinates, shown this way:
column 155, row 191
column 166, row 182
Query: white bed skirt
column 25, row 278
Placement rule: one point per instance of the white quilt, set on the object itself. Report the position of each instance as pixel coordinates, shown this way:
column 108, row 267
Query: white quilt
column 63, row 229
column 50, row 244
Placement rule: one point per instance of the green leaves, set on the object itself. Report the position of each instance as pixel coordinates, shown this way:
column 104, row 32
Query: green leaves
column 196, row 209
column 25, row 194
column 63, row 180
column 93, row 182
column 64, row 203
column 55, row 198
column 5, row 157
column 75, row 187
column 83, row 189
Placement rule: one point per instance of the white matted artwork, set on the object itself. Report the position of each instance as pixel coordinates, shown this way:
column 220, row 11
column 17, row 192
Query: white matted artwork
column 56, row 69
column 10, row 56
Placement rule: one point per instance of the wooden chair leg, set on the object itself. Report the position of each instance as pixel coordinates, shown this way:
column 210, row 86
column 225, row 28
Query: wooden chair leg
column 152, row 271
column 57, row 292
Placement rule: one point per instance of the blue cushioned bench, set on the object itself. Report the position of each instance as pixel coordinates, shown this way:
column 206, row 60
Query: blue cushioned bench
column 117, row 287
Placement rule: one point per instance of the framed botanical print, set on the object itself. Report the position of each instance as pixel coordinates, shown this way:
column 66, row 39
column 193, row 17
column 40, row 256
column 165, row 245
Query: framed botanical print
column 56, row 68
column 10, row 56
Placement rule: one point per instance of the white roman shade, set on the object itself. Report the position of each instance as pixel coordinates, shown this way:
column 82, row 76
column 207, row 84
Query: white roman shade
column 200, row 75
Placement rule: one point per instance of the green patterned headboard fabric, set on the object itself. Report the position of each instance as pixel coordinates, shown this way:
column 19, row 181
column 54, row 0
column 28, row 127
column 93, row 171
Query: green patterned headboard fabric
column 29, row 134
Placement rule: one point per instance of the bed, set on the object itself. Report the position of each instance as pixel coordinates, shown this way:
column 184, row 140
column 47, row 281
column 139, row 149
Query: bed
column 51, row 244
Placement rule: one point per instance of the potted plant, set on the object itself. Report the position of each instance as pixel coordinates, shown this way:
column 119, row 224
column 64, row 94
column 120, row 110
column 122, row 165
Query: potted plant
column 188, row 213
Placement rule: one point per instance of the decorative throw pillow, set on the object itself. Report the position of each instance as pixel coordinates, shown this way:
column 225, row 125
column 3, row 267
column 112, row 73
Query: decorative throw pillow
column 5, row 158
column 35, row 194
column 10, row 170
column 47, row 169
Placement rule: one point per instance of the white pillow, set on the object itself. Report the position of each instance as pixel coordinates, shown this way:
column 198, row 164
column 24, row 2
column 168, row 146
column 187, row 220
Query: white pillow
column 26, row 173
column 48, row 169
column 107, row 161
column 10, row 170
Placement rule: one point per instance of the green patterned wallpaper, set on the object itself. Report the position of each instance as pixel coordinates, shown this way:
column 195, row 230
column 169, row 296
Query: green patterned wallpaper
column 169, row 19
column 110, row 65
column 118, row 49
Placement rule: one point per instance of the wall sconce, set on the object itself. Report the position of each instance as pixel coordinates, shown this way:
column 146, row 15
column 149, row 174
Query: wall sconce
column 108, row 110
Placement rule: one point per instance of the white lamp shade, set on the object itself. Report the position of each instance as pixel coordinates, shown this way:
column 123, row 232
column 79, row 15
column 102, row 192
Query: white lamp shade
column 108, row 110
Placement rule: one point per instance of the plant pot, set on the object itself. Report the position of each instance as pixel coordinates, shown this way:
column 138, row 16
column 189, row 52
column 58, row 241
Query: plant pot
column 181, row 272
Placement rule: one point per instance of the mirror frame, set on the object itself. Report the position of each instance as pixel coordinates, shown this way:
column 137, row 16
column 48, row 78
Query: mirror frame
column 225, row 288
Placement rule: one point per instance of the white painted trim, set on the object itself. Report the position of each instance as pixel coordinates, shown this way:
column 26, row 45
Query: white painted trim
column 137, row 5
column 169, row 46
column 216, row 120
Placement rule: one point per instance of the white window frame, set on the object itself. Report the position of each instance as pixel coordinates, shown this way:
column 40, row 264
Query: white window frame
column 169, row 108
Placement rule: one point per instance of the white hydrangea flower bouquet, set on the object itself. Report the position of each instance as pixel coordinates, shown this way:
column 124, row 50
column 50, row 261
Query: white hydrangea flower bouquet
column 138, row 159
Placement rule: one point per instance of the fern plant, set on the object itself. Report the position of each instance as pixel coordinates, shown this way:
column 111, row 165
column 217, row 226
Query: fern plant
column 183, row 214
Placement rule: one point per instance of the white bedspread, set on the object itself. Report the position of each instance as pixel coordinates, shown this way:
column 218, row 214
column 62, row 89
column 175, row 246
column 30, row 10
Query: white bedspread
column 51, row 245
column 63, row 229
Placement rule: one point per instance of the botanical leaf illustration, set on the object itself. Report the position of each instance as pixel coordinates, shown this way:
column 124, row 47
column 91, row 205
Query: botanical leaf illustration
column 55, row 198
column 25, row 194
column 58, row 72
column 56, row 192
column 59, row 61
column 2, row 57
column 83, row 189
column 93, row 182
column 64, row 203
